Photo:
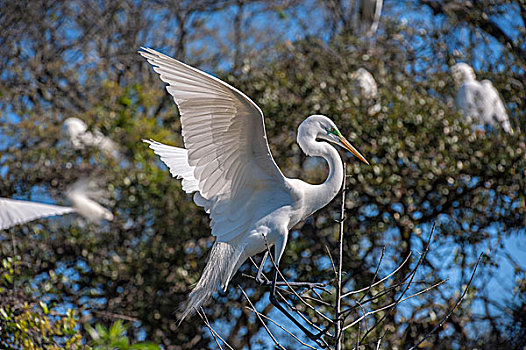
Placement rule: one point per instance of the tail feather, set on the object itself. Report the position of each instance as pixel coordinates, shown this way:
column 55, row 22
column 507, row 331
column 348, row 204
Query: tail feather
column 218, row 270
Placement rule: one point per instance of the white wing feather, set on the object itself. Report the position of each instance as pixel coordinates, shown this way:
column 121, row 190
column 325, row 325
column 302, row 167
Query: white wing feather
column 224, row 134
column 177, row 161
column 15, row 212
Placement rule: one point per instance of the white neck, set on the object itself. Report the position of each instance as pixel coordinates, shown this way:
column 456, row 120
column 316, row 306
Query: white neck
column 318, row 196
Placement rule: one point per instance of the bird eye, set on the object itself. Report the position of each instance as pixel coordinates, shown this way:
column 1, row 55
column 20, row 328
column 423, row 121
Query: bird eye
column 333, row 131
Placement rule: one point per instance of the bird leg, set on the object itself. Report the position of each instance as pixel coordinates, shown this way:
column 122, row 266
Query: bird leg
column 260, row 280
column 265, row 282
column 275, row 302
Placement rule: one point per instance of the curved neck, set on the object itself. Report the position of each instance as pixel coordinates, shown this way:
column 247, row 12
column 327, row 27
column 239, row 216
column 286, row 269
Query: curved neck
column 320, row 195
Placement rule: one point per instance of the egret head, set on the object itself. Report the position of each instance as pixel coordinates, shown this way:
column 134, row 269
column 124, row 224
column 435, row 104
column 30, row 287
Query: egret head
column 462, row 72
column 320, row 127
column 74, row 126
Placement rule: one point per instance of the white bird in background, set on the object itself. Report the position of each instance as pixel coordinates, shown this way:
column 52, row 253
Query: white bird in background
column 479, row 101
column 82, row 197
column 15, row 212
column 365, row 86
column 80, row 137
column 227, row 163
column 369, row 13
column 365, row 83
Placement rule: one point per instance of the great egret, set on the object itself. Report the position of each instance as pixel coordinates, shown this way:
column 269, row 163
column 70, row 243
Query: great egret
column 227, row 163
column 479, row 101
column 83, row 199
column 15, row 212
column 365, row 83
column 80, row 137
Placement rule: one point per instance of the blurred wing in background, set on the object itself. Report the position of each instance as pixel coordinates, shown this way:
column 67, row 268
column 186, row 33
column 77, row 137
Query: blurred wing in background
column 15, row 212
column 82, row 198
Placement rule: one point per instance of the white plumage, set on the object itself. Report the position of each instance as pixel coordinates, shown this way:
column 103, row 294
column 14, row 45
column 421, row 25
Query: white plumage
column 365, row 83
column 15, row 212
column 80, row 137
column 227, row 163
column 479, row 101
column 82, row 198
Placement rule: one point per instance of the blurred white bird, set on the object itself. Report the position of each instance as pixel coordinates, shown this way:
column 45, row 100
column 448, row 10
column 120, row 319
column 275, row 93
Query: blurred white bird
column 479, row 101
column 369, row 13
column 227, row 163
column 82, row 198
column 80, row 137
column 365, row 83
column 365, row 86
column 14, row 212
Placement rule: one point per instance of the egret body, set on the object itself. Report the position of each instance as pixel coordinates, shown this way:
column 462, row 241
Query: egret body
column 479, row 101
column 227, row 163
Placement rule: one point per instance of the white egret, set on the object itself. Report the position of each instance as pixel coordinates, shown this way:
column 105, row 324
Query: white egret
column 227, row 163
column 82, row 198
column 479, row 101
column 365, row 86
column 80, row 137
column 365, row 83
column 15, row 212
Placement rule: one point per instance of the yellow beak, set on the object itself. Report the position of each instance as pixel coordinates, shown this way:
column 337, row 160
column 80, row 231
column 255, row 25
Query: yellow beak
column 351, row 149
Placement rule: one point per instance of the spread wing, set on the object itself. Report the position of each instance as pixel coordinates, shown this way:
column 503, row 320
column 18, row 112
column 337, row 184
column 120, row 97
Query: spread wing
column 224, row 135
column 14, row 212
column 177, row 161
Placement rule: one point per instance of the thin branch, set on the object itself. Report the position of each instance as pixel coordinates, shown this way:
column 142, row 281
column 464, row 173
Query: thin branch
column 390, row 306
column 283, row 328
column 332, row 261
column 380, row 281
column 379, row 295
column 374, row 277
column 261, row 320
column 413, row 274
column 210, row 328
column 338, row 341
column 443, row 320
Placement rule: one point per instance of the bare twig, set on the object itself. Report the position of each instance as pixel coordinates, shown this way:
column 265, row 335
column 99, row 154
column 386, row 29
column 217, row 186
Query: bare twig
column 412, row 276
column 210, row 328
column 338, row 333
column 443, row 320
column 391, row 306
column 332, row 261
column 261, row 320
column 283, row 328
column 300, row 298
column 380, row 281
column 374, row 277
column 115, row 316
column 379, row 295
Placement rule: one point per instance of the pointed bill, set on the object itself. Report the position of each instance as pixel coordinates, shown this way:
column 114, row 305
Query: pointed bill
column 351, row 149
